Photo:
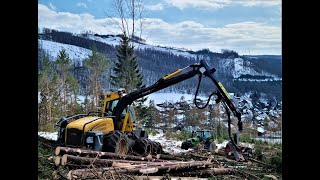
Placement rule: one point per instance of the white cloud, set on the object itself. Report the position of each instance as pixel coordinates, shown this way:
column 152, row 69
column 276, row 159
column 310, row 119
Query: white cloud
column 82, row 5
column 207, row 4
column 74, row 23
column 52, row 6
column 155, row 7
column 258, row 38
column 216, row 4
column 258, row 2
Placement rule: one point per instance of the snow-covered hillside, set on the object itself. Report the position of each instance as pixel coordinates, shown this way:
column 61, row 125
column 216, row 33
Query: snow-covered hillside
column 239, row 66
column 74, row 52
column 115, row 40
column 235, row 67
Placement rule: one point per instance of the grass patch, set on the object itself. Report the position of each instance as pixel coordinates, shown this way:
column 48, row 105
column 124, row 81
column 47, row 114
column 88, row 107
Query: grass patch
column 183, row 135
column 151, row 131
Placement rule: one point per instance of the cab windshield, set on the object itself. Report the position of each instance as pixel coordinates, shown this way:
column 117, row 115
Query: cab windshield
column 112, row 104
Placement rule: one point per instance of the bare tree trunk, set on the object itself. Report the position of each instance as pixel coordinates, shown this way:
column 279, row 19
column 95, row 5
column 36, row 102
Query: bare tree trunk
column 133, row 20
column 64, row 95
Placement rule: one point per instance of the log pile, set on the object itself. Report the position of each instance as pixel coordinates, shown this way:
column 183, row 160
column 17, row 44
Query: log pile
column 89, row 164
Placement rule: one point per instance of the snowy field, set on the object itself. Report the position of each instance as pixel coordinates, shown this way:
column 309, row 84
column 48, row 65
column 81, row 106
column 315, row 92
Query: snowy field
column 162, row 97
column 171, row 97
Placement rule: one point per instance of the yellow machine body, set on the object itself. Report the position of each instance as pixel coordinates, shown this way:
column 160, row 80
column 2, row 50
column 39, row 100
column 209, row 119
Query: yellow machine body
column 104, row 124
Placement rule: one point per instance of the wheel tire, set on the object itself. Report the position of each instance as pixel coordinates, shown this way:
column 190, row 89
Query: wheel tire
column 115, row 142
column 143, row 147
column 157, row 148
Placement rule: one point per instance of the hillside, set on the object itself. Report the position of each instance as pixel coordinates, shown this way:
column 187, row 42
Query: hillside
column 239, row 74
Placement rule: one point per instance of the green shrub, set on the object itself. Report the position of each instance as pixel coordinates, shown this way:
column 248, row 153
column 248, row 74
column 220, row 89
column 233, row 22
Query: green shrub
column 276, row 161
column 220, row 140
column 151, row 131
column 183, row 135
column 258, row 154
column 246, row 138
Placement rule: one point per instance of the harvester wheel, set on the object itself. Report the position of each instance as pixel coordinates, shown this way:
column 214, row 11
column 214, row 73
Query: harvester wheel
column 143, row 147
column 157, row 148
column 116, row 142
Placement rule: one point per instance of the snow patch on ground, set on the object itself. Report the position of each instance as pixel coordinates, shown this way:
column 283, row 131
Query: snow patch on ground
column 169, row 145
column 222, row 145
column 49, row 135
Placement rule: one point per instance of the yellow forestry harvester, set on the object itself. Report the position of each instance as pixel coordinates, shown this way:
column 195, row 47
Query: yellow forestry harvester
column 112, row 129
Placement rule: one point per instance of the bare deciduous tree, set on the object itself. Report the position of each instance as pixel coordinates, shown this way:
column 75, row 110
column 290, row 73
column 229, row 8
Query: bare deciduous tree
column 128, row 16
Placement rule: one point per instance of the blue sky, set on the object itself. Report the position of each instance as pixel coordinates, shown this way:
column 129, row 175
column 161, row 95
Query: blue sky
column 246, row 26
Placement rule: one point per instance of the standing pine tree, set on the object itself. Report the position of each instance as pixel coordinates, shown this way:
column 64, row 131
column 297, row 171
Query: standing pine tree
column 126, row 71
column 97, row 65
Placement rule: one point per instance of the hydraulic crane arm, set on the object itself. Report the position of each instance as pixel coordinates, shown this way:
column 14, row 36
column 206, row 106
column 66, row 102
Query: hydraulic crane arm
column 174, row 78
column 162, row 83
column 223, row 94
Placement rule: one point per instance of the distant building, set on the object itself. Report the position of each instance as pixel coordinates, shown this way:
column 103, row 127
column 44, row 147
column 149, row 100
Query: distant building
column 260, row 131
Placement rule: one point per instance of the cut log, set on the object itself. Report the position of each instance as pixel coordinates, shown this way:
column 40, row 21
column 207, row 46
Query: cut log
column 126, row 165
column 167, row 157
column 66, row 158
column 57, row 160
column 78, row 151
column 142, row 170
column 148, row 170
column 85, row 160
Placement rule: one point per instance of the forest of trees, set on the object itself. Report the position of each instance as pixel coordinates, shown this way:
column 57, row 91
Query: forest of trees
column 60, row 79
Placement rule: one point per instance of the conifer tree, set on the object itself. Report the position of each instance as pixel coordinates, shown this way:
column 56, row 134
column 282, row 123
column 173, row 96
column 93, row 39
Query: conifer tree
column 127, row 74
column 97, row 65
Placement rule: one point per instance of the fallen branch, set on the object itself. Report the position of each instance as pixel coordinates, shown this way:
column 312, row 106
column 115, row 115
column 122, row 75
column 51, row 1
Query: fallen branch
column 206, row 172
column 259, row 162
